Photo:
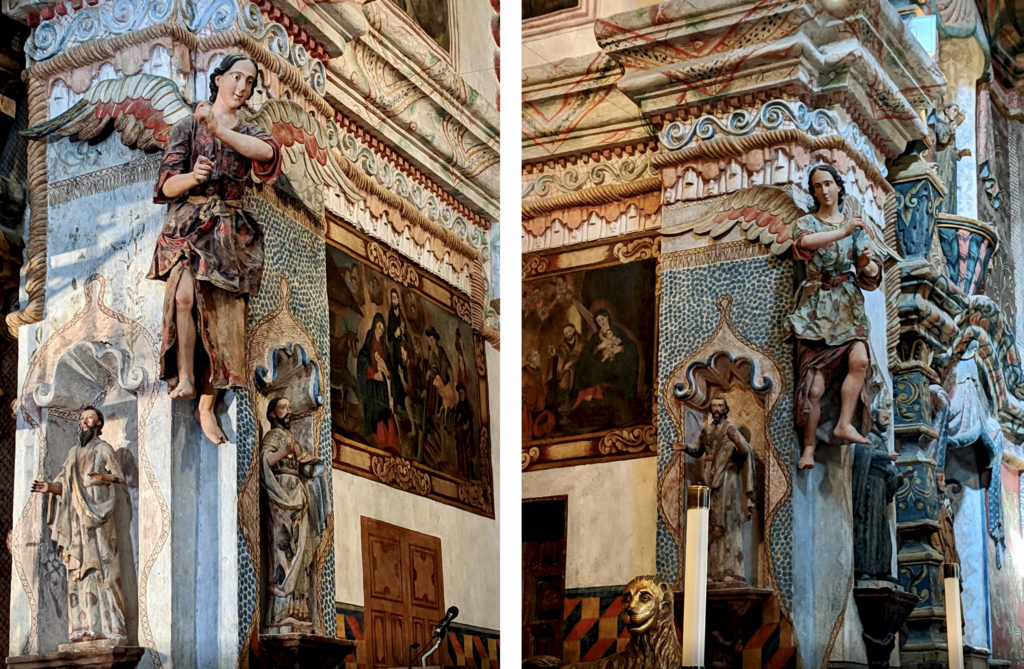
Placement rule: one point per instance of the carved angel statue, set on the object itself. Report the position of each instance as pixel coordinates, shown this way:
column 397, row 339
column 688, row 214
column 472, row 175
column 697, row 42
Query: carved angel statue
column 842, row 254
column 210, row 250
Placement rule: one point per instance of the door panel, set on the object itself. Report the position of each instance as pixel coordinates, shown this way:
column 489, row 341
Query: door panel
column 403, row 590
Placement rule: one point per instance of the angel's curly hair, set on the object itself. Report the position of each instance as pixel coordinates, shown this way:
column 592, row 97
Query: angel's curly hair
column 835, row 176
column 226, row 64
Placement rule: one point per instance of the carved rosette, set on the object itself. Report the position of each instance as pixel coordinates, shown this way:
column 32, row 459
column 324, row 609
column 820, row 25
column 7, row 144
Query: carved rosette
column 392, row 265
column 630, row 440
column 533, row 265
column 400, row 473
column 530, row 456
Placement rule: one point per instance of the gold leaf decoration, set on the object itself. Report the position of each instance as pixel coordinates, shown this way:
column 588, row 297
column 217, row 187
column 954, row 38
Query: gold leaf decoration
column 630, row 440
column 638, row 249
column 392, row 265
column 400, row 472
column 534, row 264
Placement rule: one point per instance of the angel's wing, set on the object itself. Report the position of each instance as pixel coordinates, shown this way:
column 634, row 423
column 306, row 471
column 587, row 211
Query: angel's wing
column 307, row 151
column 765, row 214
column 142, row 107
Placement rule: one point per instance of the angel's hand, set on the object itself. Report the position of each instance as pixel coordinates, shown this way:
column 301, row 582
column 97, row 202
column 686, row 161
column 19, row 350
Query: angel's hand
column 202, row 169
column 855, row 223
column 205, row 116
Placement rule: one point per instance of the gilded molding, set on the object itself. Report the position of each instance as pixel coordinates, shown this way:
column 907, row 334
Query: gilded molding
column 400, row 473
column 533, row 265
column 629, row 440
column 392, row 265
column 638, row 249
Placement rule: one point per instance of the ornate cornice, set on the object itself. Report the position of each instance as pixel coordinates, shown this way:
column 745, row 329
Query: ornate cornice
column 397, row 87
column 676, row 55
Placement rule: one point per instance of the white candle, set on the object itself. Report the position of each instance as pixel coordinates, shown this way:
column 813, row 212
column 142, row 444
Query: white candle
column 698, row 498
column 954, row 631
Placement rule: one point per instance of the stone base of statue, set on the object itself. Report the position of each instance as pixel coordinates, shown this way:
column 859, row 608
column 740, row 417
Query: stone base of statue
column 101, row 654
column 733, row 612
column 303, row 651
column 883, row 609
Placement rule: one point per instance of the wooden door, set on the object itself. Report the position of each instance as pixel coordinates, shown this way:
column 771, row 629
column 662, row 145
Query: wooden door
column 403, row 592
column 543, row 575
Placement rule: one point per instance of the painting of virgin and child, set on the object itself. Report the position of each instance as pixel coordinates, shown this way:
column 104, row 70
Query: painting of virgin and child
column 403, row 373
column 586, row 337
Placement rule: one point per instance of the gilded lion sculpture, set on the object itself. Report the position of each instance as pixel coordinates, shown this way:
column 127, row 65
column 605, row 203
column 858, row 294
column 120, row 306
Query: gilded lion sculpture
column 648, row 616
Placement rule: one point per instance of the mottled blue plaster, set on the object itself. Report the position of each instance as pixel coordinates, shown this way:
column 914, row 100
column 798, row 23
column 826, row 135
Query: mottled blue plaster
column 762, row 291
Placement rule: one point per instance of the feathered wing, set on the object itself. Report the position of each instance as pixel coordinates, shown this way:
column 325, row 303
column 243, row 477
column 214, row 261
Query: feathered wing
column 765, row 214
column 142, row 107
column 306, row 148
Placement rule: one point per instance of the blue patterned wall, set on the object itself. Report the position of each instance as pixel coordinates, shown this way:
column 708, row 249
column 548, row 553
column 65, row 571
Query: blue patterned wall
column 299, row 254
column 762, row 290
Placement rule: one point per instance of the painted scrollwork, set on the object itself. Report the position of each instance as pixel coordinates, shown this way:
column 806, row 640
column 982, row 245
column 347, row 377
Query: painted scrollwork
column 774, row 115
column 400, row 473
column 462, row 308
column 392, row 265
column 534, row 264
column 639, row 249
column 530, row 456
column 630, row 440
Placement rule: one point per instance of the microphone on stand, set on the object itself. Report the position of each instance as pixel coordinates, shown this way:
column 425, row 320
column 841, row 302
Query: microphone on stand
column 443, row 624
column 438, row 635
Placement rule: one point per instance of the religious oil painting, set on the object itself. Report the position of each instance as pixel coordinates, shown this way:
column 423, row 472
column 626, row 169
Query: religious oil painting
column 404, row 381
column 588, row 343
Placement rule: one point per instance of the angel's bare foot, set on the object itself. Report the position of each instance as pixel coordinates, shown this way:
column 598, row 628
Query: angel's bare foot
column 806, row 459
column 208, row 421
column 185, row 390
column 847, row 434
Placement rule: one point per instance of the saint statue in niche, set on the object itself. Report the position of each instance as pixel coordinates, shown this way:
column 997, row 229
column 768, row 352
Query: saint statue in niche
column 726, row 465
column 875, row 480
column 210, row 250
column 291, row 526
column 81, row 521
column 829, row 321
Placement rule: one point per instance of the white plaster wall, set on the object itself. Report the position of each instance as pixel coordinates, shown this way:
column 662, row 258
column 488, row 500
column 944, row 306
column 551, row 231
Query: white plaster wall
column 557, row 45
column 469, row 542
column 612, row 518
column 477, row 47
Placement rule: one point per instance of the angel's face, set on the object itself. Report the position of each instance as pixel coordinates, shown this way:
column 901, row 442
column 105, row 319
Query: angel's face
column 235, row 86
column 826, row 190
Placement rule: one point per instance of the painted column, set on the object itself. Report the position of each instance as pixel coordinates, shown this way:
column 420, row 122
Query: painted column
column 918, row 191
